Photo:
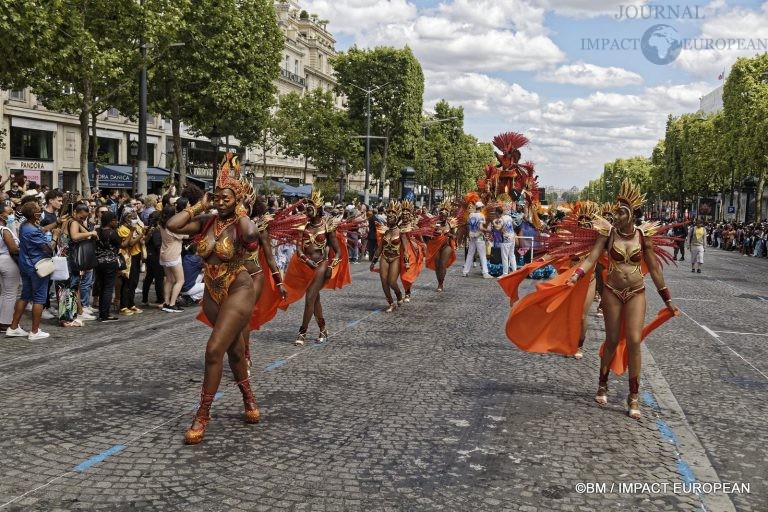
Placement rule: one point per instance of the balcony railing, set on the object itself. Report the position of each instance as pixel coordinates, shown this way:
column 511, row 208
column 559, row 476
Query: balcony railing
column 293, row 77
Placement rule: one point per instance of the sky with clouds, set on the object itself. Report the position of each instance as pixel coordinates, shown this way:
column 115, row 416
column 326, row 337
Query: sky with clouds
column 533, row 66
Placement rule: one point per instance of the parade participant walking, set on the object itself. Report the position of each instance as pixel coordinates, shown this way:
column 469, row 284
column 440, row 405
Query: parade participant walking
column 441, row 249
column 506, row 224
column 624, row 300
column 476, row 241
column 317, row 263
column 413, row 251
column 391, row 242
column 697, row 236
column 229, row 293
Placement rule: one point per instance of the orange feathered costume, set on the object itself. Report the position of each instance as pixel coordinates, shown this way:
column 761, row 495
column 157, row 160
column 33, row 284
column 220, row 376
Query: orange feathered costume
column 299, row 275
column 433, row 250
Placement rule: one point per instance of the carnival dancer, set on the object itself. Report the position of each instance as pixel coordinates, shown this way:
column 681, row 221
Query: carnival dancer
column 624, row 302
column 391, row 243
column 320, row 261
column 282, row 227
column 229, row 292
column 607, row 211
column 586, row 212
column 441, row 248
column 414, row 250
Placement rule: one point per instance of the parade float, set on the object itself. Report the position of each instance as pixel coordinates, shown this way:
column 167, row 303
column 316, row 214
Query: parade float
column 513, row 185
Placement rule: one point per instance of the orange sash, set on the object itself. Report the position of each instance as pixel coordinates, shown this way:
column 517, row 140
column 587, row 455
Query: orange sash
column 620, row 361
column 433, row 250
column 416, row 259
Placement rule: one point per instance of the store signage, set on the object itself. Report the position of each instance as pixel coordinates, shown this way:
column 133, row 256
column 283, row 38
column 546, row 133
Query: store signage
column 29, row 165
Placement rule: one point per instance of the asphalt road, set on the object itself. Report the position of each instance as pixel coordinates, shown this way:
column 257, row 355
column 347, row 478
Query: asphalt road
column 428, row 408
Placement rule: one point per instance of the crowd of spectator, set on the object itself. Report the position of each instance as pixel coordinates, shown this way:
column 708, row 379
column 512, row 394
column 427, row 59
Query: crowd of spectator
column 133, row 253
column 746, row 239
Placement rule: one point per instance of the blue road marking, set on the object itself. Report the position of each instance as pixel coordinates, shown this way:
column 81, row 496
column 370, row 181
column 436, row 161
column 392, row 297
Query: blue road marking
column 84, row 466
column 353, row 323
column 276, row 364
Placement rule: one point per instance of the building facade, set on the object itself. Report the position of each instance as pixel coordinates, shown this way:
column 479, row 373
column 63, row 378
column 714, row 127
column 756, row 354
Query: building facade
column 45, row 145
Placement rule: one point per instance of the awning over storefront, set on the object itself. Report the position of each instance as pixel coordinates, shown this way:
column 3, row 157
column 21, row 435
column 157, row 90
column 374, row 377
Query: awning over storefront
column 121, row 176
column 289, row 190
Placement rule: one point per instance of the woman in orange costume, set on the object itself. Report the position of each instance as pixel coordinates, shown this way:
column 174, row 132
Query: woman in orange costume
column 412, row 249
column 441, row 249
column 624, row 297
column 586, row 214
column 391, row 243
column 229, row 291
column 313, row 267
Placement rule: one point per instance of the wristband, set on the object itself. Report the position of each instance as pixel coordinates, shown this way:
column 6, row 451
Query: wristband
column 579, row 272
column 194, row 210
column 277, row 277
column 665, row 294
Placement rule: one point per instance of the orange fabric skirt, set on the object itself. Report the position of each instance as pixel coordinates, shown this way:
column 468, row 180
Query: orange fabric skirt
column 299, row 275
column 620, row 361
column 549, row 319
column 511, row 282
column 433, row 249
column 416, row 259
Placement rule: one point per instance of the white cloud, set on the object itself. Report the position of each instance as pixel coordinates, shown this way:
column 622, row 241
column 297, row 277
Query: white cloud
column 479, row 94
column 581, row 73
column 724, row 23
column 585, row 8
column 500, row 14
column 358, row 16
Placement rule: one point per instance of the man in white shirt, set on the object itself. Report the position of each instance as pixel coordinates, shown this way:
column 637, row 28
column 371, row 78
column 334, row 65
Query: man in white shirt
column 476, row 241
column 507, row 227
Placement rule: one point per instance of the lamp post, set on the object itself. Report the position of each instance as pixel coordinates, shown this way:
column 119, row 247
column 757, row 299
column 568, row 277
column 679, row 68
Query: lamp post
column 215, row 137
column 368, row 93
column 133, row 149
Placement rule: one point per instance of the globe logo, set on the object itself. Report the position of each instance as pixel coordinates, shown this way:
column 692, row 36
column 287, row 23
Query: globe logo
column 661, row 44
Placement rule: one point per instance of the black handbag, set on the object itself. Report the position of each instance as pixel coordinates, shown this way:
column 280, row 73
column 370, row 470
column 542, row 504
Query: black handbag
column 84, row 255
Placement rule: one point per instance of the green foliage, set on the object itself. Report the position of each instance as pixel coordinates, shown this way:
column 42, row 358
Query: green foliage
column 224, row 73
column 312, row 126
column 396, row 103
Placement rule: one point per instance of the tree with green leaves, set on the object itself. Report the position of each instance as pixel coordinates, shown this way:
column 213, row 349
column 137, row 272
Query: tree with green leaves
column 224, row 73
column 745, row 109
column 396, row 102
column 311, row 126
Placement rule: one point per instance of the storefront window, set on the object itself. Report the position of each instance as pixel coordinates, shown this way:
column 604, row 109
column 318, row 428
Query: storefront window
column 108, row 151
column 150, row 155
column 28, row 143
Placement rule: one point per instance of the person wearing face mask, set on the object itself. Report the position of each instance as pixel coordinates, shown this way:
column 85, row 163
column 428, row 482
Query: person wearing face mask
column 33, row 247
column 16, row 193
column 130, row 230
column 10, row 278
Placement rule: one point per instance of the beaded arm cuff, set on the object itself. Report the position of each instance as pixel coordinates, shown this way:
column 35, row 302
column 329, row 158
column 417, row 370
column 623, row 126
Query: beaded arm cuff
column 195, row 209
column 579, row 272
column 665, row 294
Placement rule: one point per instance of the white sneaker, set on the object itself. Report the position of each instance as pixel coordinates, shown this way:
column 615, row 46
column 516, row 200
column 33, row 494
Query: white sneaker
column 16, row 333
column 464, row 274
column 86, row 316
column 474, row 264
column 87, row 310
column 487, row 276
column 28, row 307
column 47, row 315
column 39, row 335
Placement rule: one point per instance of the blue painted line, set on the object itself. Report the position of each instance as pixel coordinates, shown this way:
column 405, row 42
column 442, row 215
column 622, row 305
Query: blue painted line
column 685, row 471
column 276, row 364
column 353, row 323
column 83, row 466
column 319, row 345
column 650, row 401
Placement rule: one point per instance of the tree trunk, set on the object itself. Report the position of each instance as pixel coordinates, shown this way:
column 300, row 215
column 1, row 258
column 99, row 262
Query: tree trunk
column 759, row 198
column 181, row 167
column 85, row 114
column 94, row 148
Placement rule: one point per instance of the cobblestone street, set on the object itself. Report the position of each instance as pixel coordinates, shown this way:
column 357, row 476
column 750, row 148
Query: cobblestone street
column 428, row 408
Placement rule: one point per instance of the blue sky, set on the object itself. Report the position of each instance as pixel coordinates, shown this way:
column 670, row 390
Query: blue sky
column 519, row 65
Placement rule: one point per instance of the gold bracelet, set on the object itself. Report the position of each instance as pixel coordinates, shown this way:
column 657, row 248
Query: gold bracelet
column 194, row 210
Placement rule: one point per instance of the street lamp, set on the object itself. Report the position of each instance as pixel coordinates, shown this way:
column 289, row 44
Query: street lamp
column 368, row 135
column 342, row 179
column 215, row 137
column 133, row 149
